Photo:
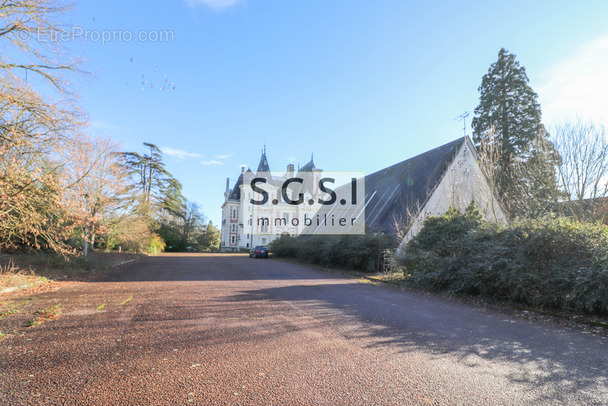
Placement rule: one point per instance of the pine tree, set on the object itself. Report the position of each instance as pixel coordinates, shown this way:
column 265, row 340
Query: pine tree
column 509, row 117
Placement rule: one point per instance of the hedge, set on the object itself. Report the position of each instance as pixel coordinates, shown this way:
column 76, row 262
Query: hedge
column 357, row 252
column 549, row 262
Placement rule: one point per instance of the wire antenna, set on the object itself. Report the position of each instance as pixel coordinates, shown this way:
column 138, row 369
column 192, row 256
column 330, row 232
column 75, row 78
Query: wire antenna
column 463, row 117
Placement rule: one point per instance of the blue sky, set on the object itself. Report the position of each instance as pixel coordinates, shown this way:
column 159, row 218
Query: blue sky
column 361, row 84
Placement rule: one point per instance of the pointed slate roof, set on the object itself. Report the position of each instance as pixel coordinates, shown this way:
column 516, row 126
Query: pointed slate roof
column 403, row 188
column 263, row 165
column 309, row 166
column 236, row 190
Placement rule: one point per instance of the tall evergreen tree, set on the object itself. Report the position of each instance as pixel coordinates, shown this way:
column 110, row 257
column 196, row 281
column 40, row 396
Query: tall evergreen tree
column 509, row 117
column 159, row 189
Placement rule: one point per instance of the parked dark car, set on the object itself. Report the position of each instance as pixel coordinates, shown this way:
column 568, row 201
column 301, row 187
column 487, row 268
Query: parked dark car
column 258, row 252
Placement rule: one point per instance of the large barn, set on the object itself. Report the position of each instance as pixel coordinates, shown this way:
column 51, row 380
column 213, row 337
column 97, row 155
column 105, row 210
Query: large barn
column 404, row 194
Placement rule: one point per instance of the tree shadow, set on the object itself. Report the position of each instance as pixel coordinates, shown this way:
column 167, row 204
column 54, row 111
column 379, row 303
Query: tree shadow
column 554, row 359
column 548, row 360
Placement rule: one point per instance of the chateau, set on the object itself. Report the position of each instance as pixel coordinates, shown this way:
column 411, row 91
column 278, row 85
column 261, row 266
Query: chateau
column 236, row 234
column 397, row 198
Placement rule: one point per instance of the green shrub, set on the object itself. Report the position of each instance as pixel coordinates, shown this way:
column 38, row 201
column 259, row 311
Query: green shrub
column 284, row 246
column 550, row 262
column 154, row 244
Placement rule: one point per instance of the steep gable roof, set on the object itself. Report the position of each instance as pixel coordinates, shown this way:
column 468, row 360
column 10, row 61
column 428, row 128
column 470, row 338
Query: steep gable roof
column 403, row 188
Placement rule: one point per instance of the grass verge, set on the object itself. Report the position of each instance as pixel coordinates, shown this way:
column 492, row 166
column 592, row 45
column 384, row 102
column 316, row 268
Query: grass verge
column 20, row 271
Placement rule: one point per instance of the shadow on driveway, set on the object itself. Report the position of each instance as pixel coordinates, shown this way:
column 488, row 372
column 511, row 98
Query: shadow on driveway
column 535, row 355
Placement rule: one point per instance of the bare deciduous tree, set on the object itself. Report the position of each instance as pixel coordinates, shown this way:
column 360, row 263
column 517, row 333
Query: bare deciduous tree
column 583, row 169
column 533, row 189
column 33, row 32
column 97, row 182
column 490, row 161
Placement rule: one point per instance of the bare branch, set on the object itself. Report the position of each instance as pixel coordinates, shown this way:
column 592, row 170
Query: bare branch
column 583, row 169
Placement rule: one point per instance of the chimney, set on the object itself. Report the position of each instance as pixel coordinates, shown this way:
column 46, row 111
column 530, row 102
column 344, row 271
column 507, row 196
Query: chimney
column 242, row 169
column 227, row 184
column 290, row 169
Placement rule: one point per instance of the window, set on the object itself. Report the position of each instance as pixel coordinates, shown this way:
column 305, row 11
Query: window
column 233, row 240
column 264, row 227
column 233, row 213
column 263, row 240
column 234, row 228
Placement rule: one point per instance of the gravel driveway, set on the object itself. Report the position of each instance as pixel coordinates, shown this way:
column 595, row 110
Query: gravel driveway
column 229, row 330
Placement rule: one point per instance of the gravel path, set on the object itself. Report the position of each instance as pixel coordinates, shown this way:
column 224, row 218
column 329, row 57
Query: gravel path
column 230, row 330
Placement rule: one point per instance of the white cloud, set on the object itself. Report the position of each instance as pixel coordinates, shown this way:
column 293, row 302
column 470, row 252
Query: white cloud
column 577, row 85
column 179, row 153
column 212, row 162
column 226, row 156
column 213, row 3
